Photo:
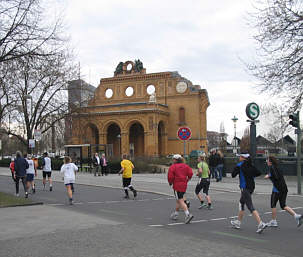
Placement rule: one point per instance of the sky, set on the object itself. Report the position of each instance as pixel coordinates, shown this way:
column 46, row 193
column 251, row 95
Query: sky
column 208, row 42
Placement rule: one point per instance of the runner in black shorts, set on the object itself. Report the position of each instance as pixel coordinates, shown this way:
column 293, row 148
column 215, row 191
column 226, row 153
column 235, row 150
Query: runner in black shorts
column 204, row 182
column 279, row 193
column 247, row 173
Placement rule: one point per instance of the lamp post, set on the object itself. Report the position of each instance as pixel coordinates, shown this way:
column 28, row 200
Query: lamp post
column 119, row 144
column 235, row 119
column 31, row 112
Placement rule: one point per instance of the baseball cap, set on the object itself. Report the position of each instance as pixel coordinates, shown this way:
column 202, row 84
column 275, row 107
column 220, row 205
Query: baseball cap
column 244, row 155
column 177, row 156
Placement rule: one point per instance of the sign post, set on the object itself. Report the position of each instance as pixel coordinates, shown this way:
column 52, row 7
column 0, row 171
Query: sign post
column 253, row 112
column 184, row 134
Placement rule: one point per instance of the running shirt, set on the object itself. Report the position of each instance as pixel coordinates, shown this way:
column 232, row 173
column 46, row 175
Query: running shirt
column 127, row 168
column 274, row 189
column 204, row 167
column 47, row 164
column 31, row 168
column 241, row 176
column 69, row 172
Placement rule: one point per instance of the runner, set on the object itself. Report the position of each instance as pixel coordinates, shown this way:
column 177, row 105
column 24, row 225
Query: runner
column 31, row 172
column 20, row 172
column 204, row 181
column 68, row 169
column 47, row 171
column 127, row 171
column 247, row 172
column 178, row 176
column 279, row 193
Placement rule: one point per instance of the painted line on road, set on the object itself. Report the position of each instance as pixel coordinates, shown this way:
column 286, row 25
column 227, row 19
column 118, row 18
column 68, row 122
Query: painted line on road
column 238, row 236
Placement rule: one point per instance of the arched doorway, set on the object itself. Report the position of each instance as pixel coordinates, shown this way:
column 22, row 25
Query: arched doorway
column 114, row 138
column 136, row 140
column 161, row 131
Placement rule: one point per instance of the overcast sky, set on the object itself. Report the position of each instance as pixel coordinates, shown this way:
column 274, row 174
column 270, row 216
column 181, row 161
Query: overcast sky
column 205, row 41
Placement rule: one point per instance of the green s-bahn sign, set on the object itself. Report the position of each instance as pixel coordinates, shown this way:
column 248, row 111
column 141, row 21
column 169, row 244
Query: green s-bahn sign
column 252, row 111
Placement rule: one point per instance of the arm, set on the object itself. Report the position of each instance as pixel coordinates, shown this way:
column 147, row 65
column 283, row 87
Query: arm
column 190, row 173
column 236, row 171
column 171, row 175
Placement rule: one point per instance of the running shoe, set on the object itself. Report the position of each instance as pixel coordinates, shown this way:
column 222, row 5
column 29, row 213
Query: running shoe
column 174, row 216
column 272, row 223
column 71, row 201
column 135, row 193
column 50, row 188
column 202, row 205
column 299, row 220
column 235, row 224
column 261, row 227
column 209, row 207
column 17, row 195
column 188, row 218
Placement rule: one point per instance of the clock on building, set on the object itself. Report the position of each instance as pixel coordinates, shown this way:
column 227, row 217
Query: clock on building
column 181, row 87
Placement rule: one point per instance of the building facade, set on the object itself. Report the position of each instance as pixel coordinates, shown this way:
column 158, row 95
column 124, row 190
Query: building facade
column 139, row 113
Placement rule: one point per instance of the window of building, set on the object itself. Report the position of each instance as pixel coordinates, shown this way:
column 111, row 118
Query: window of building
column 109, row 93
column 181, row 116
column 150, row 89
column 129, row 91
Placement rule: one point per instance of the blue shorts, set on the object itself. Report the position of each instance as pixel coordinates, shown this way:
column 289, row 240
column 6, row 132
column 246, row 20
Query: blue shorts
column 29, row 177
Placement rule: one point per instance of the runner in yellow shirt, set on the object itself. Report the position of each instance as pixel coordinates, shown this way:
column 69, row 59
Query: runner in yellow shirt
column 127, row 171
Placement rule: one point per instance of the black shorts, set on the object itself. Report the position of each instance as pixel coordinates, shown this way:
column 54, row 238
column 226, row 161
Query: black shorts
column 246, row 200
column 203, row 184
column 69, row 184
column 278, row 196
column 29, row 177
column 179, row 195
column 47, row 173
column 126, row 182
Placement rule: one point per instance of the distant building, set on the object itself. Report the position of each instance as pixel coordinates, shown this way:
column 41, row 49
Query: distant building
column 79, row 94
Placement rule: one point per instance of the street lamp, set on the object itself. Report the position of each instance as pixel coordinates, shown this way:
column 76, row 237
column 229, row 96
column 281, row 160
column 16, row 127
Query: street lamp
column 119, row 143
column 235, row 119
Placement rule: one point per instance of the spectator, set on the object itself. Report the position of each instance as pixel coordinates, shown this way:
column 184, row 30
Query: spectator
column 219, row 168
column 20, row 172
column 213, row 162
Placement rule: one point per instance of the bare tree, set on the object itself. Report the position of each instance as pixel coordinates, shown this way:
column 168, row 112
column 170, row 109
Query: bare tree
column 279, row 65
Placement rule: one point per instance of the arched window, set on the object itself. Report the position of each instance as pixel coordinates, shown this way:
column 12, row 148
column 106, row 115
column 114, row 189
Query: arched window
column 181, row 116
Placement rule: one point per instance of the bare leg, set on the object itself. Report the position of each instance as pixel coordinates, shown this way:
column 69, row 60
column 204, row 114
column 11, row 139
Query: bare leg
column 69, row 192
column 274, row 213
column 182, row 204
column 177, row 206
column 208, row 198
column 240, row 215
column 256, row 216
column 200, row 197
column 289, row 210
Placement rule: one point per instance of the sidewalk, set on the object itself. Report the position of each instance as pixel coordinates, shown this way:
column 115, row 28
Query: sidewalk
column 158, row 182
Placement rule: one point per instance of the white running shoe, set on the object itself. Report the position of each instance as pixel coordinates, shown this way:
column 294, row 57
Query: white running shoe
column 272, row 223
column 299, row 220
column 261, row 227
column 235, row 224
column 174, row 216
column 17, row 195
column 188, row 218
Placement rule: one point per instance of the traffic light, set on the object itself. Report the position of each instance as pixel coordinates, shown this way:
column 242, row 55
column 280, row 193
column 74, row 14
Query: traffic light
column 294, row 120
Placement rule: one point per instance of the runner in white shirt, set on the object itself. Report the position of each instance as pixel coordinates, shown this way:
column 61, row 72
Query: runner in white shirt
column 31, row 172
column 69, row 169
column 47, row 171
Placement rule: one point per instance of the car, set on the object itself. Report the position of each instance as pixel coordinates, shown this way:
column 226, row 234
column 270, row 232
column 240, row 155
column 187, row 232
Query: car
column 196, row 153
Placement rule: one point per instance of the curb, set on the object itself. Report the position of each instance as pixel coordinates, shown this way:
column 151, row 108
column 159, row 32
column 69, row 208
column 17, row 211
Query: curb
column 23, row 205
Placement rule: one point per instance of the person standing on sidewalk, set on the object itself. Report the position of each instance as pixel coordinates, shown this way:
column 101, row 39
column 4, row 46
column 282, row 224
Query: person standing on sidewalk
column 204, row 182
column 103, row 165
column 12, row 168
column 247, row 172
column 178, row 176
column 213, row 164
column 20, row 172
column 31, row 172
column 47, row 171
column 220, row 165
column 127, row 172
column 97, row 163
column 279, row 193
column 68, row 169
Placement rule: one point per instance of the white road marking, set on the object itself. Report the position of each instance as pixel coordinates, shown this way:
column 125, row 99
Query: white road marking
column 218, row 219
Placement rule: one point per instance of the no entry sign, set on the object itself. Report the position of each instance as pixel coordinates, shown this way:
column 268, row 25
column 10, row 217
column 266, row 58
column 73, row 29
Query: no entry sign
column 184, row 133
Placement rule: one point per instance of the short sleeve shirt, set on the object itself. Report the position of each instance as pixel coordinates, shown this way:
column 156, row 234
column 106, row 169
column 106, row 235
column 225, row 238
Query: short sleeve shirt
column 127, row 168
column 204, row 167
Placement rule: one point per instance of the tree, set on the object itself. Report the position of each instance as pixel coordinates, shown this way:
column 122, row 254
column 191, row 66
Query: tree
column 274, row 121
column 279, row 65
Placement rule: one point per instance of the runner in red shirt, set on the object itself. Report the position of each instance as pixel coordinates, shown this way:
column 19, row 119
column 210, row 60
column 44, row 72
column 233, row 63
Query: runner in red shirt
column 178, row 176
column 12, row 168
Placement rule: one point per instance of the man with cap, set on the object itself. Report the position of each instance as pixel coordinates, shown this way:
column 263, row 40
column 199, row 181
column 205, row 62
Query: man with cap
column 247, row 172
column 179, row 174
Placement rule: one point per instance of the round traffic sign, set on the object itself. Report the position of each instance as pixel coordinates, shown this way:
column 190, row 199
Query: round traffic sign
column 184, row 133
column 252, row 111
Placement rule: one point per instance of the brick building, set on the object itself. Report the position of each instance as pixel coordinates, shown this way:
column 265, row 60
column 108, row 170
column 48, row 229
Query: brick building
column 139, row 113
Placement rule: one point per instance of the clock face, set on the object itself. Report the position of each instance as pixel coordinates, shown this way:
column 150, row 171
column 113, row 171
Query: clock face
column 181, row 87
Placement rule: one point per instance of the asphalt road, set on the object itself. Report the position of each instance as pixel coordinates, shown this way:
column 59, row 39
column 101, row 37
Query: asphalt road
column 146, row 220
